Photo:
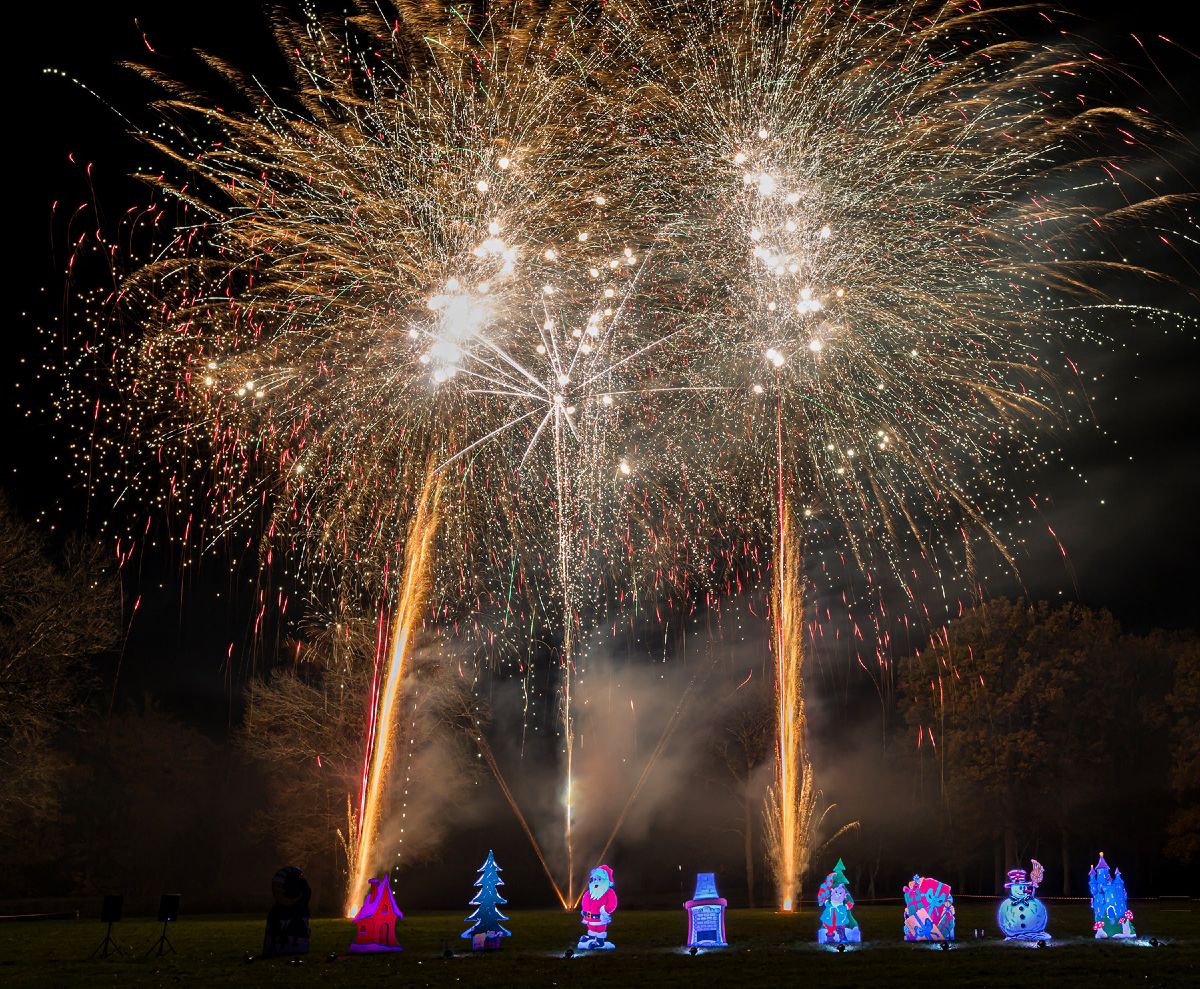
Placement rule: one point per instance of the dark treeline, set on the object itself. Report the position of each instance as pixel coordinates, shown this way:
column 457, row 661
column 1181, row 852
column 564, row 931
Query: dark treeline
column 1033, row 730
column 101, row 796
column 1029, row 730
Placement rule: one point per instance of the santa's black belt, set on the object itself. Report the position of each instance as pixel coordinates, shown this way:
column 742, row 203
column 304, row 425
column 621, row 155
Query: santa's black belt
column 591, row 916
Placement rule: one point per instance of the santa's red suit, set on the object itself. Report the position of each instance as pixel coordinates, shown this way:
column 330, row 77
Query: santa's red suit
column 590, row 907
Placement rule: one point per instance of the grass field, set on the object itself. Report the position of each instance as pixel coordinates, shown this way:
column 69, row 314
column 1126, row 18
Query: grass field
column 768, row 950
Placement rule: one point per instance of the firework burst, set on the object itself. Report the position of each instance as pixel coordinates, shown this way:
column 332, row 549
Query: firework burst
column 638, row 289
column 408, row 267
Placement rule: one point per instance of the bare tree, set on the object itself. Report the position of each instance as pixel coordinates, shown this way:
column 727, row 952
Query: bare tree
column 55, row 616
column 743, row 743
column 306, row 728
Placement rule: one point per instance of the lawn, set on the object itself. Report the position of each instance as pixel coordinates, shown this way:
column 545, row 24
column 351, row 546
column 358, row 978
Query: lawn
column 768, row 950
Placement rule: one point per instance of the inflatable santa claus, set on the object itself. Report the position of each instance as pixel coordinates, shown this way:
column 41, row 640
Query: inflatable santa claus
column 597, row 907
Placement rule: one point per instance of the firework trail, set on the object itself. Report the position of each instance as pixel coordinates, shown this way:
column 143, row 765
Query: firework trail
column 381, row 736
column 791, row 800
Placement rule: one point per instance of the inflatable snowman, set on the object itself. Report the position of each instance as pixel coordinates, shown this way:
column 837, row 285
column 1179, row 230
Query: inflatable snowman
column 1023, row 916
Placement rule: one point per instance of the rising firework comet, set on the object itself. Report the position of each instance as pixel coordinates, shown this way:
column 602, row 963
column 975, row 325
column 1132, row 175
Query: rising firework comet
column 637, row 290
column 412, row 596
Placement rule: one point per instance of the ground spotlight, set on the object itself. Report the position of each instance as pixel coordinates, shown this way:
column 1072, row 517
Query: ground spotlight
column 569, row 953
column 247, row 958
column 693, row 950
column 841, row 947
column 447, row 953
column 1043, row 944
column 945, row 945
column 1155, row 943
column 331, row 957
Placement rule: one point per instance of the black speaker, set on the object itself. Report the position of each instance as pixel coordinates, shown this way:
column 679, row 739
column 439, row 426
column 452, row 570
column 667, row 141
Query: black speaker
column 168, row 910
column 110, row 912
column 168, row 906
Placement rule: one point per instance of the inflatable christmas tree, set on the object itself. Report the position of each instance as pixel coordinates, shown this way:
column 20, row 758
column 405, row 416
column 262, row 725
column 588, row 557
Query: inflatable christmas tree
column 485, row 930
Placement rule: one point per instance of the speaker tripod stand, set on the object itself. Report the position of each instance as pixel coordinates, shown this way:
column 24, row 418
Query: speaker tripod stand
column 108, row 946
column 163, row 943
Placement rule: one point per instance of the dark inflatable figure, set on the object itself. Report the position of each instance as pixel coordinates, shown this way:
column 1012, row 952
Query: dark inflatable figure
column 287, row 924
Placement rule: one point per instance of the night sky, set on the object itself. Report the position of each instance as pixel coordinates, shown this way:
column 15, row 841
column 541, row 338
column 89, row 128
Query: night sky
column 1124, row 503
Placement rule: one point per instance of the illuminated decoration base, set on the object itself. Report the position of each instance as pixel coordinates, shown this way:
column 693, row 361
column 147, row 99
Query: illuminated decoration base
column 706, row 914
column 596, row 906
column 375, row 923
column 928, row 910
column 486, row 930
column 489, row 941
column 838, row 925
column 1111, row 915
column 1023, row 916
